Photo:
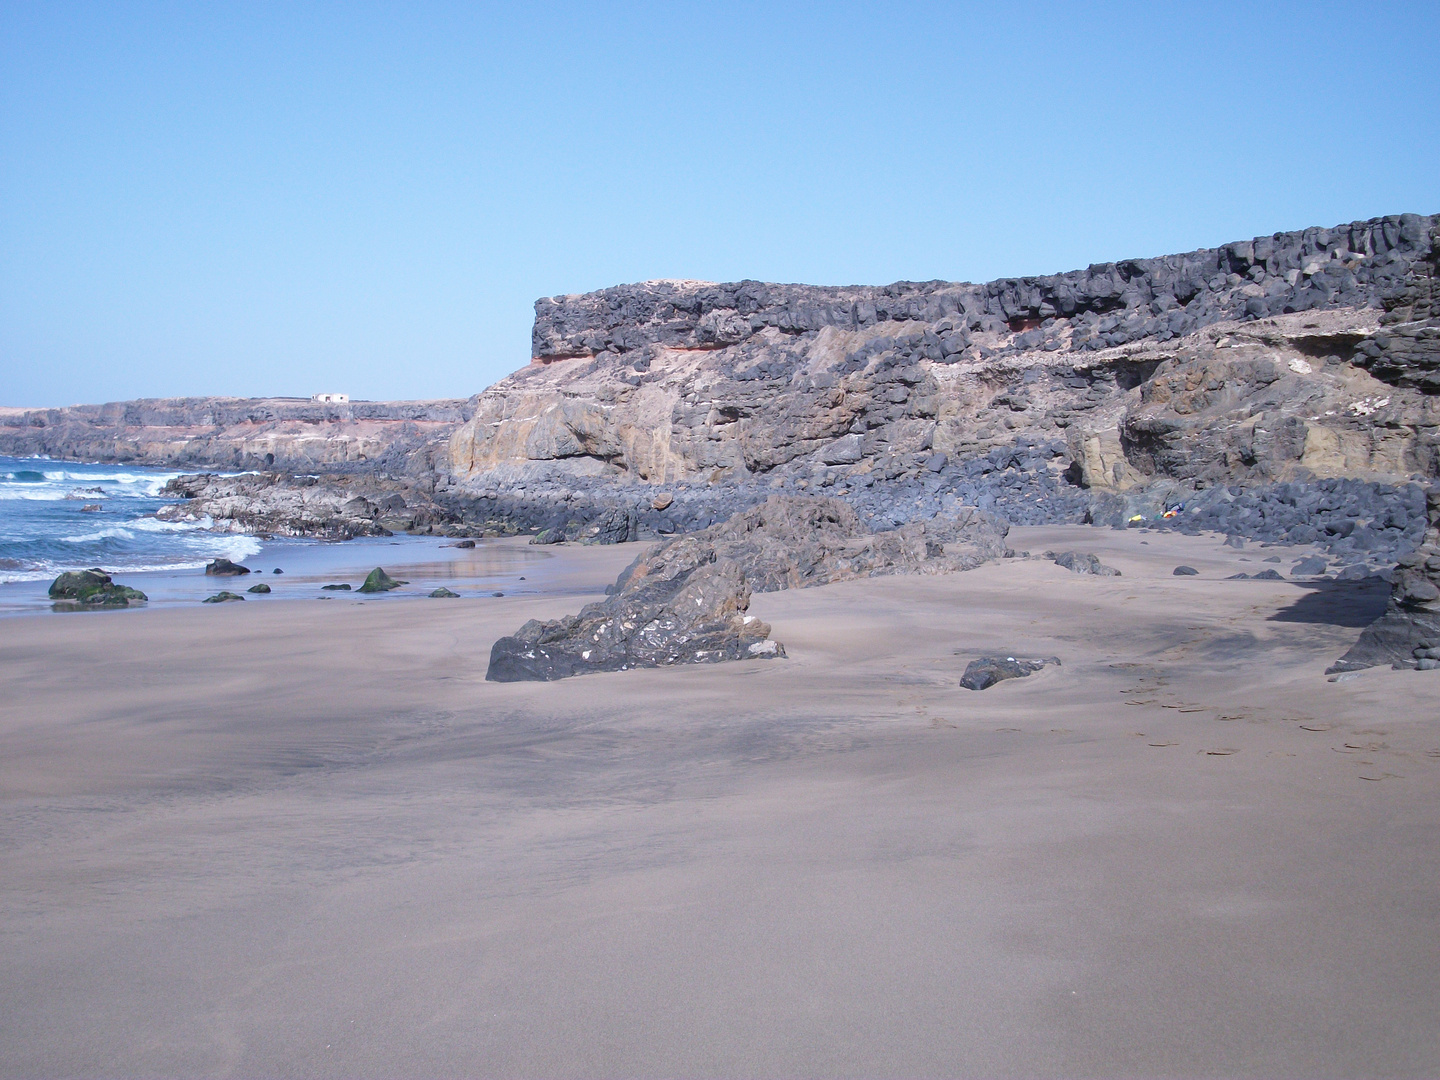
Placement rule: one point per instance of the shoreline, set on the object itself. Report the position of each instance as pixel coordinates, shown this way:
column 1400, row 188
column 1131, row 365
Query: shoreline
column 494, row 564
column 426, row 562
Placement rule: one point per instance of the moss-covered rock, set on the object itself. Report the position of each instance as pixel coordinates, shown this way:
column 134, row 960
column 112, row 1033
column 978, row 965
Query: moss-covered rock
column 379, row 581
column 262, row 588
column 224, row 596
column 443, row 592
column 92, row 589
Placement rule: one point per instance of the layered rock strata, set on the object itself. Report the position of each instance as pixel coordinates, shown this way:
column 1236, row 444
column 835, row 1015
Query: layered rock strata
column 1123, row 389
column 686, row 601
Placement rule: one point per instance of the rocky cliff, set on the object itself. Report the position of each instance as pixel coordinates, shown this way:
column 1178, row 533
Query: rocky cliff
column 291, row 434
column 1127, row 386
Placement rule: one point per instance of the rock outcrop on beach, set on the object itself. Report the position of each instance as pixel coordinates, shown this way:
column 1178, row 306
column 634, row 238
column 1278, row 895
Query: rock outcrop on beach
column 686, row 601
column 288, row 434
column 334, row 507
column 1407, row 635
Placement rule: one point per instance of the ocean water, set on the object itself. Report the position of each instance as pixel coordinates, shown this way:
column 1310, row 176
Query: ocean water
column 45, row 527
column 45, row 530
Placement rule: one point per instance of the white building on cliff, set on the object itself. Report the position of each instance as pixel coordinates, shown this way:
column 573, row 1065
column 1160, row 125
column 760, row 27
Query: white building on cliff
column 332, row 399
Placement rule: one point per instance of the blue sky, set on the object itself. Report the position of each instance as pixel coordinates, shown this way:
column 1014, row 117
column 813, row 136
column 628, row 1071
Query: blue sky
column 280, row 199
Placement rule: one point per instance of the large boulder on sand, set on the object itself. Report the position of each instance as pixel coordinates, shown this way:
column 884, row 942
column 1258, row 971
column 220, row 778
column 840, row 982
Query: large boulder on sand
column 1409, row 630
column 686, row 601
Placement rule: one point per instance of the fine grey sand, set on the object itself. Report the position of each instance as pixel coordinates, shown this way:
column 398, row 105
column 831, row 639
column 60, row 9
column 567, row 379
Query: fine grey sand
column 308, row 839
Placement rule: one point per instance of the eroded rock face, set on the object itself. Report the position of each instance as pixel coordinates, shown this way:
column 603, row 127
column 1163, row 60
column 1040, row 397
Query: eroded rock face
column 1147, row 380
column 686, row 601
column 1409, row 631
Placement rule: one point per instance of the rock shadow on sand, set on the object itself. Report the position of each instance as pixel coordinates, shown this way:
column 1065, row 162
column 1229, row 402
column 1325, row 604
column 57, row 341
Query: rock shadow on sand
column 1338, row 603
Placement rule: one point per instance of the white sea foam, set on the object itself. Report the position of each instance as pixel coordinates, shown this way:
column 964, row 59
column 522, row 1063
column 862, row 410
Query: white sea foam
column 115, row 533
column 232, row 547
column 155, row 525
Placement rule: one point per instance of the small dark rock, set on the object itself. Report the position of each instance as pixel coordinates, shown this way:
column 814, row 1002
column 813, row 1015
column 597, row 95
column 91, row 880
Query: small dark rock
column 443, row 592
column 277, row 570
column 1185, row 571
column 1079, row 563
column 986, row 671
column 225, row 568
column 1310, row 567
column 1269, row 575
column 336, row 588
column 261, row 588
column 222, row 597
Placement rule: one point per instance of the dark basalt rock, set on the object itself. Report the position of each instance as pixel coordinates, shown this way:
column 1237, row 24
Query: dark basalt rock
column 222, row 597
column 685, row 601
column 1409, row 630
column 986, row 671
column 1080, row 563
column 77, row 590
column 1309, row 567
column 261, row 588
column 1269, row 575
column 225, row 568
column 378, row 581
column 1185, row 571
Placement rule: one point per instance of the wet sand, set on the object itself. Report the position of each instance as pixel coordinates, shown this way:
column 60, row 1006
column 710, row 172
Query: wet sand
column 308, row 839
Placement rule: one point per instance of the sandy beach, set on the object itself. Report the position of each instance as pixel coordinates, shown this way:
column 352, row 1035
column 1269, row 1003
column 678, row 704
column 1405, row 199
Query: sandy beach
column 294, row 838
